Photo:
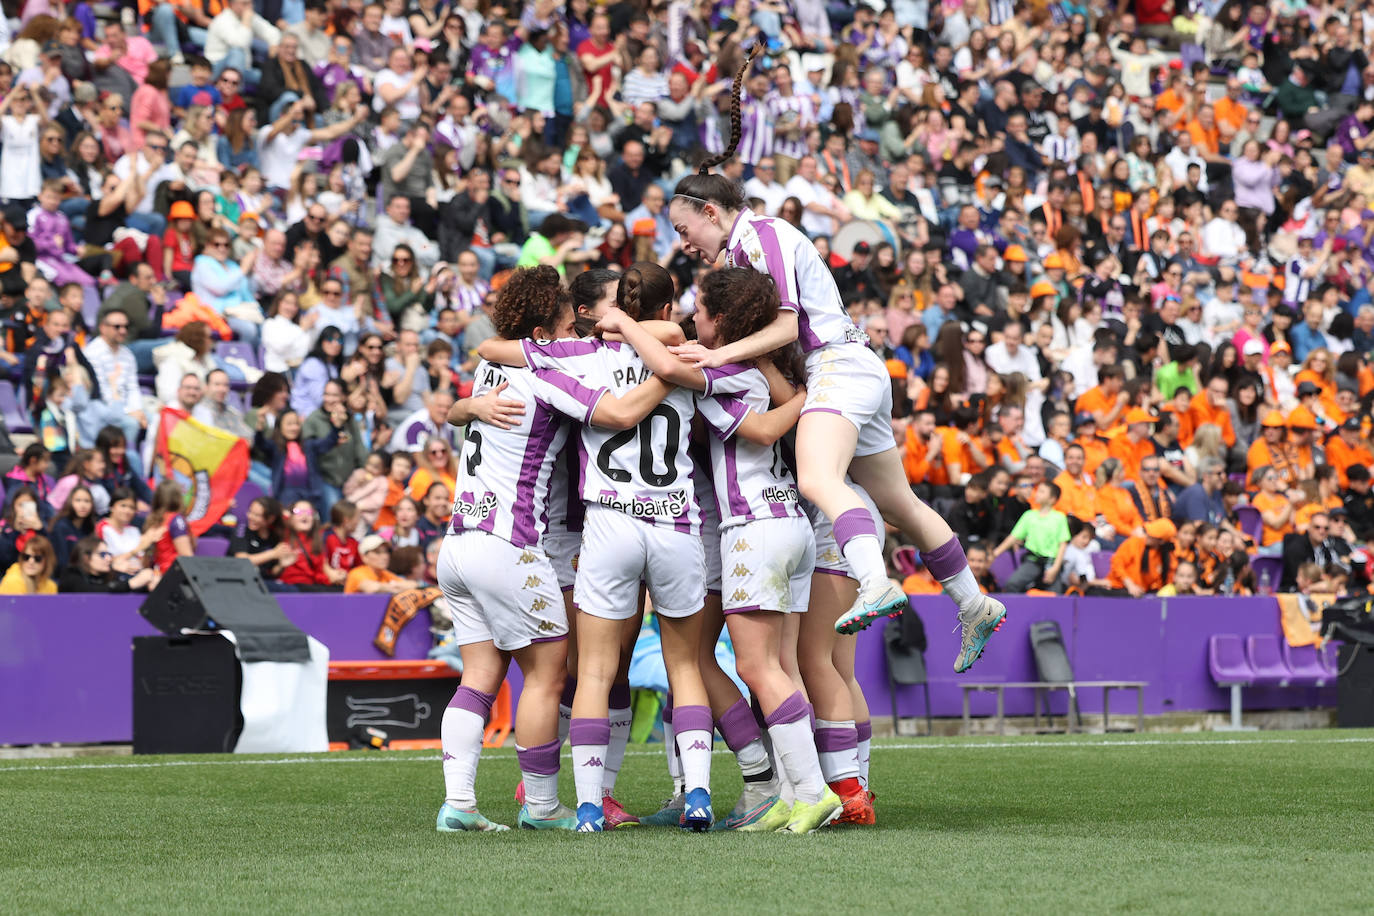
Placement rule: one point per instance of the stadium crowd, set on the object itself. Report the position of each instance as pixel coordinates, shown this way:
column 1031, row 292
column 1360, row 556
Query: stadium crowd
column 1116, row 260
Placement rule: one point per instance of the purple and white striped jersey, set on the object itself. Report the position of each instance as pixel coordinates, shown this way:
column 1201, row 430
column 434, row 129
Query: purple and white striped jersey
column 503, row 474
column 644, row 472
column 788, row 111
column 756, row 130
column 752, row 481
column 773, row 246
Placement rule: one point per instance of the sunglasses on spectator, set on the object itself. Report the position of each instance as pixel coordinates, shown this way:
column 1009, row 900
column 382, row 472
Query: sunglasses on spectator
column 401, row 259
column 32, row 558
column 331, row 293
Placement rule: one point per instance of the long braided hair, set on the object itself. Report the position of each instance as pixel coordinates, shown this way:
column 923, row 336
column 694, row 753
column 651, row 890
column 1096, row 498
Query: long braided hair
column 696, row 190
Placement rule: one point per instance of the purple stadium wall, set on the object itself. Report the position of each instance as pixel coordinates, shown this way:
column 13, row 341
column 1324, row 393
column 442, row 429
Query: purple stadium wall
column 66, row 664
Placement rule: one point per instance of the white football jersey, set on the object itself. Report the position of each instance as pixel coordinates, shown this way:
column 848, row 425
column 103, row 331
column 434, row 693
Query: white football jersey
column 503, row 474
column 644, row 472
column 775, row 247
column 752, row 481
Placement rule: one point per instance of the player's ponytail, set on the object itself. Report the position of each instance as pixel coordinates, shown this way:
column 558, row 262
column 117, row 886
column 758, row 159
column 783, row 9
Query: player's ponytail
column 736, row 116
column 644, row 290
column 703, row 187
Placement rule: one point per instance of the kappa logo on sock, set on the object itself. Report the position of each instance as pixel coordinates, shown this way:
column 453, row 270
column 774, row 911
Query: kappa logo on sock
column 741, row 546
column 594, row 762
column 740, row 571
column 830, row 556
column 533, row 582
column 448, row 756
column 699, row 745
column 527, row 557
column 740, row 595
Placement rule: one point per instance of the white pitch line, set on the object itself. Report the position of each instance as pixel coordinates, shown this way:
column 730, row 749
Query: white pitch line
column 504, row 752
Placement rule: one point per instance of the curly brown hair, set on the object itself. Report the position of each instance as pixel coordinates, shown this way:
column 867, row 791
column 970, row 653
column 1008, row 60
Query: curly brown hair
column 644, row 290
column 533, row 297
column 740, row 300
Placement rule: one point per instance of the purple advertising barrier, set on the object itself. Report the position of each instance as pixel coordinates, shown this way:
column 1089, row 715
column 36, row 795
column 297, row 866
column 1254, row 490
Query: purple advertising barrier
column 66, row 664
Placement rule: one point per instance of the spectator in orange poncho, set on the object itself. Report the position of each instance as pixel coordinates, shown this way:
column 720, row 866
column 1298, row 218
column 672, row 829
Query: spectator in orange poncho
column 1275, row 509
column 1346, row 449
column 1302, row 438
column 1077, row 493
column 1114, row 505
column 923, row 456
column 1141, row 564
column 1094, row 446
column 1135, row 445
column 1271, row 448
column 1209, row 406
column 1328, row 497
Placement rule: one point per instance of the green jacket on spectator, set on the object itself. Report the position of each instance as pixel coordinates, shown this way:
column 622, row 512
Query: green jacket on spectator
column 341, row 460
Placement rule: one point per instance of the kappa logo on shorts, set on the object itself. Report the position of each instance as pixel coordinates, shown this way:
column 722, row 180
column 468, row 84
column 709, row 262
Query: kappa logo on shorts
column 539, row 605
column 741, row 546
column 740, row 595
column 740, row 570
column 830, row 556
column 533, row 582
column 821, row 398
column 527, row 557
column 546, row 626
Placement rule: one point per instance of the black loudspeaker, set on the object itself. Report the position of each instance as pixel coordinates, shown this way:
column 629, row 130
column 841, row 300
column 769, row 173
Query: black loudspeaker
column 225, row 593
column 1355, row 686
column 186, row 695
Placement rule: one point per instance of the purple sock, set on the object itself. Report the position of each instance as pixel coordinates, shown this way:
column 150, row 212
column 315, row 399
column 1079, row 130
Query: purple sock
column 541, row 759
column 692, row 718
column 474, row 701
column 792, row 709
column 737, row 726
column 945, row 561
column 865, row 730
column 589, row 731
column 851, row 524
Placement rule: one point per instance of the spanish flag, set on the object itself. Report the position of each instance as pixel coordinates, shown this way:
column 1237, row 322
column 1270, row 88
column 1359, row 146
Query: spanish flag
column 209, row 464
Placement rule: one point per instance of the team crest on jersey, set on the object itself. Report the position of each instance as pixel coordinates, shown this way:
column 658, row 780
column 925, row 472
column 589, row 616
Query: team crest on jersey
column 527, row 557
column 739, row 595
column 740, row 571
column 546, row 626
column 539, row 605
column 741, row 546
column 533, row 582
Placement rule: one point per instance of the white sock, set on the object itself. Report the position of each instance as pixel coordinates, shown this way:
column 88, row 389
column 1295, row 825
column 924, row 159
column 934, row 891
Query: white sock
column 840, row 758
column 589, row 738
column 799, row 766
column 753, row 758
column 461, row 736
column 539, row 772
column 695, row 728
column 963, row 589
column 863, row 761
column 864, row 554
column 621, row 720
column 694, row 748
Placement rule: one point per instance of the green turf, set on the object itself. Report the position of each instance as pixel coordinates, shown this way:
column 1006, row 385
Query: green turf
column 1176, row 824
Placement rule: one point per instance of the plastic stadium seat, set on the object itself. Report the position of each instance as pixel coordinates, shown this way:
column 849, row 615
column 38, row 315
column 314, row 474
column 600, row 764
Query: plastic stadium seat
column 1329, row 656
column 212, row 547
column 16, row 417
column 1250, row 521
column 1102, row 564
column 1270, row 566
column 904, row 644
column 1003, row 567
column 1230, row 668
column 1305, row 664
column 230, row 349
column 1266, row 661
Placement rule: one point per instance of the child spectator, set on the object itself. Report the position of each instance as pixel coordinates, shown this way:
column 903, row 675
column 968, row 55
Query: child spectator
column 1045, row 534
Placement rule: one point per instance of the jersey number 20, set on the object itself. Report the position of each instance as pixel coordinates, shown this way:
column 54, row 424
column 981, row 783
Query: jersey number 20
column 645, row 432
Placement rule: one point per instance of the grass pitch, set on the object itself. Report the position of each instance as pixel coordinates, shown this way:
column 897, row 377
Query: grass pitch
column 1175, row 824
